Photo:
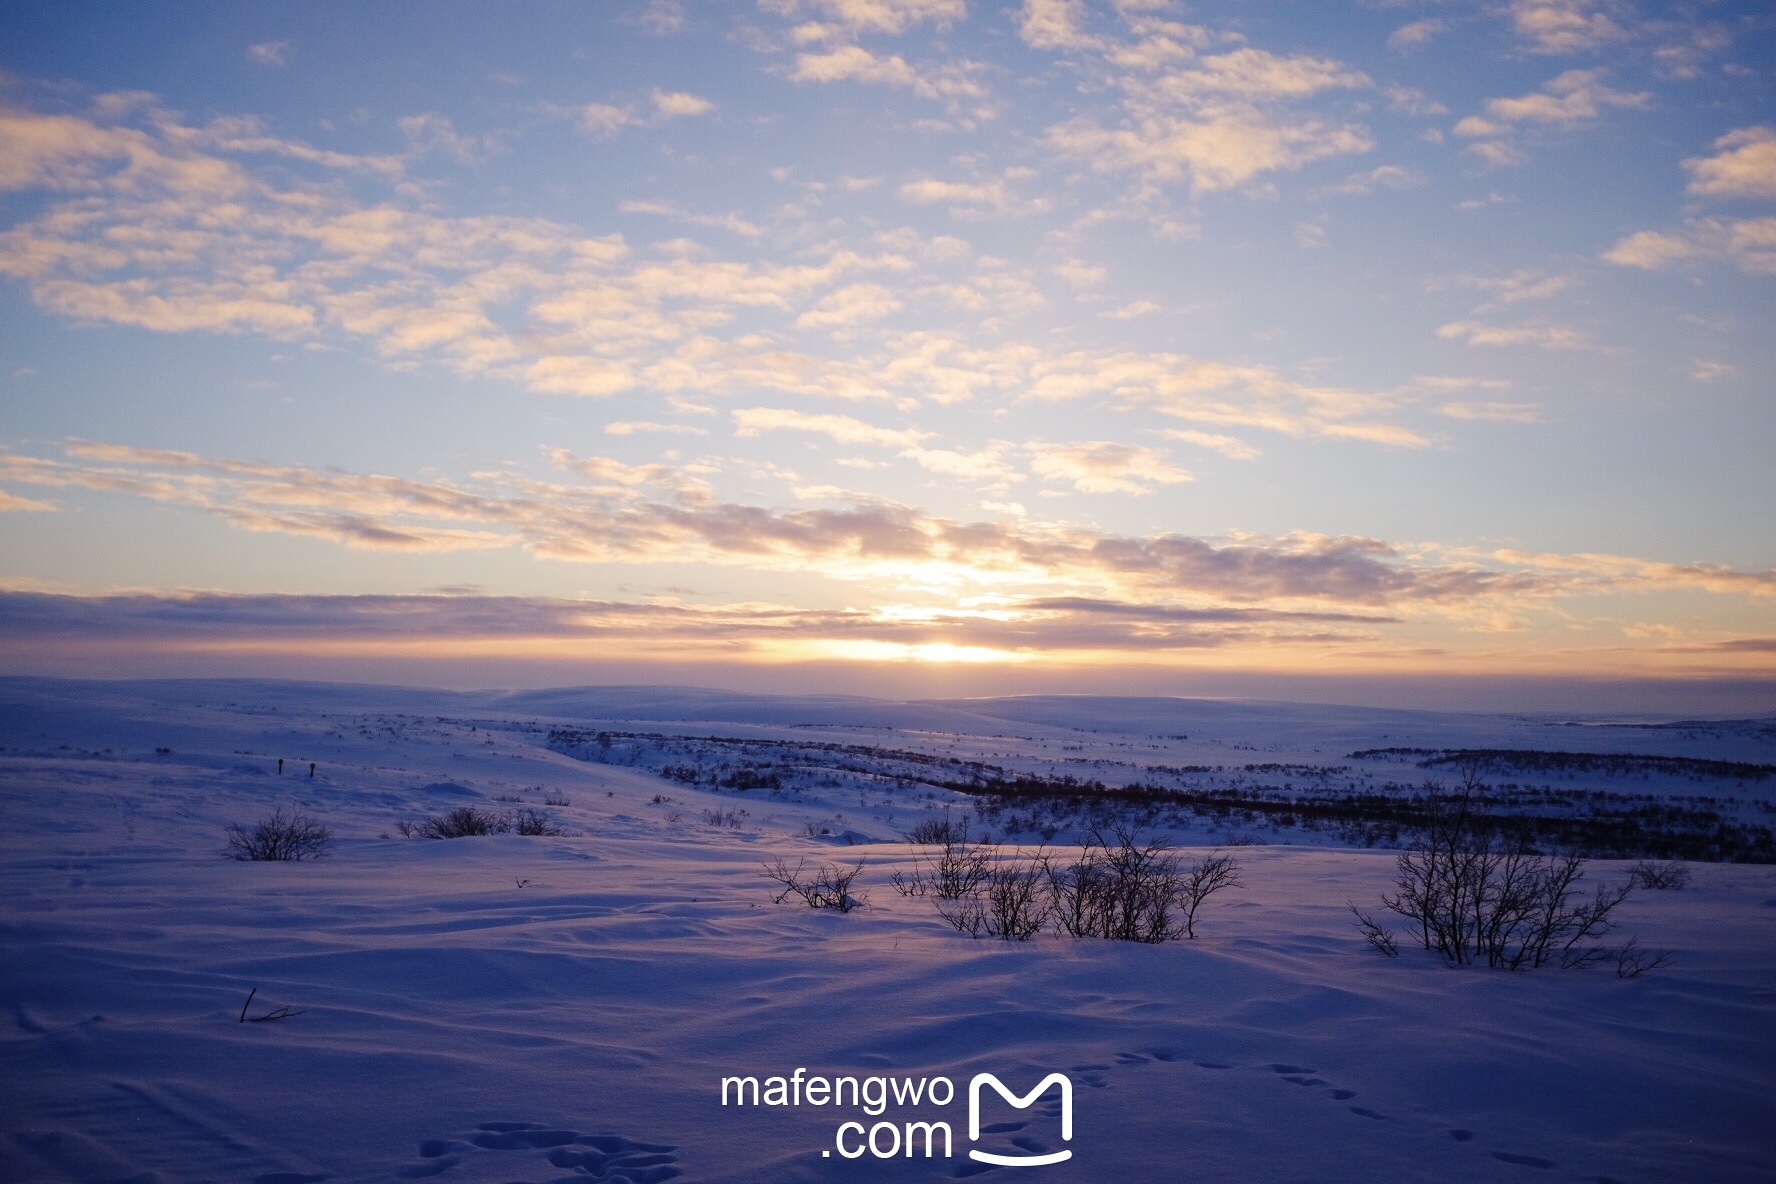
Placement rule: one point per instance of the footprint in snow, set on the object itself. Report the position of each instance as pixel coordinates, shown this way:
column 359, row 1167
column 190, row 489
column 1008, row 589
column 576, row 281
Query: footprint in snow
column 600, row 1157
column 1304, row 1076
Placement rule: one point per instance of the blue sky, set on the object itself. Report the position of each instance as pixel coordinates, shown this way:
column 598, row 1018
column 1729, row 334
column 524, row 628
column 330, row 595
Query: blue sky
column 1049, row 340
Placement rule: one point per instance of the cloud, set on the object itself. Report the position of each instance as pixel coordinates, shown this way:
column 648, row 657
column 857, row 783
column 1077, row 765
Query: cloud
column 1567, row 26
column 1524, row 284
column 662, row 18
column 432, row 133
column 1054, row 24
column 271, row 53
column 1129, row 312
column 1650, row 250
column 752, row 421
column 609, row 511
column 1218, row 393
column 1746, row 243
column 1547, row 336
column 954, row 81
column 678, row 104
column 853, row 304
column 605, row 120
column 729, row 221
column 1744, row 165
column 874, row 16
column 633, row 427
column 1229, row 446
column 1080, row 274
column 1711, row 371
column 182, row 230
column 1220, row 150
column 1494, row 198
column 1212, row 121
column 1105, row 466
column 1569, row 100
column 1409, row 37
column 1493, row 412
column 966, row 197
column 988, row 467
column 439, row 622
column 12, row 503
column 1574, row 97
column 1413, row 101
column 1387, row 176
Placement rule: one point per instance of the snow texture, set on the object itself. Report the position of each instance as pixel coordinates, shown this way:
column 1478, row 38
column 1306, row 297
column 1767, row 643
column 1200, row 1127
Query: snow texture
column 511, row 1008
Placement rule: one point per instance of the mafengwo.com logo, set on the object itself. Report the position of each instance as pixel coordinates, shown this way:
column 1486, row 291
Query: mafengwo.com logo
column 900, row 1137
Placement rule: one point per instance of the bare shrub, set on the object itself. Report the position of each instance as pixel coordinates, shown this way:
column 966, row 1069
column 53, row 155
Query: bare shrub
column 276, row 1013
column 908, row 883
column 1009, row 903
column 534, row 822
column 727, row 818
column 1378, row 937
column 1202, row 881
column 1478, row 895
column 1632, row 961
column 1128, row 889
column 556, row 799
column 965, row 916
column 1016, row 905
column 825, row 887
column 470, row 821
column 287, row 833
column 1666, row 877
column 956, row 871
column 945, row 831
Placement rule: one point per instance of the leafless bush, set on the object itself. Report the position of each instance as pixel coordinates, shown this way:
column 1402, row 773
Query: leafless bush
column 1128, row 889
column 469, row 821
column 908, row 883
column 945, row 831
column 1016, row 905
column 965, row 916
column 1010, row 903
column 1202, row 881
column 460, row 823
column 534, row 822
column 1476, row 895
column 825, row 887
column 556, row 799
column 287, row 833
column 1650, row 873
column 956, row 871
column 1632, row 961
column 276, row 1013
column 727, row 818
column 1373, row 932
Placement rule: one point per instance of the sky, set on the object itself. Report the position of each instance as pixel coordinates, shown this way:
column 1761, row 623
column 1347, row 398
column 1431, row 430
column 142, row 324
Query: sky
column 1398, row 351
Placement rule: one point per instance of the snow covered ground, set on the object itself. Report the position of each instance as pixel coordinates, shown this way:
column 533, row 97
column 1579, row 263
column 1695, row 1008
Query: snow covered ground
column 509, row 1008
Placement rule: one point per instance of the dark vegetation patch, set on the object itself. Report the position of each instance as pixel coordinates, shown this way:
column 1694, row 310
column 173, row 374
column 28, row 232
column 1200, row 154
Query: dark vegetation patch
column 1606, row 764
column 1326, row 800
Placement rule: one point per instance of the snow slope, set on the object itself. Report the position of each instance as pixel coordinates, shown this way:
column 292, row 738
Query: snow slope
column 508, row 1008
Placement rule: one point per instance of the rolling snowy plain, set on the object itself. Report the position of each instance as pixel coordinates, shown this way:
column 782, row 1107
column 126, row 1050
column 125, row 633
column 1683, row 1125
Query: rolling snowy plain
column 510, row 1007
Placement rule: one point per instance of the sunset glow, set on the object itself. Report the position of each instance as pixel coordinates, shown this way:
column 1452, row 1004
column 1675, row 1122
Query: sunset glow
column 1052, row 341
